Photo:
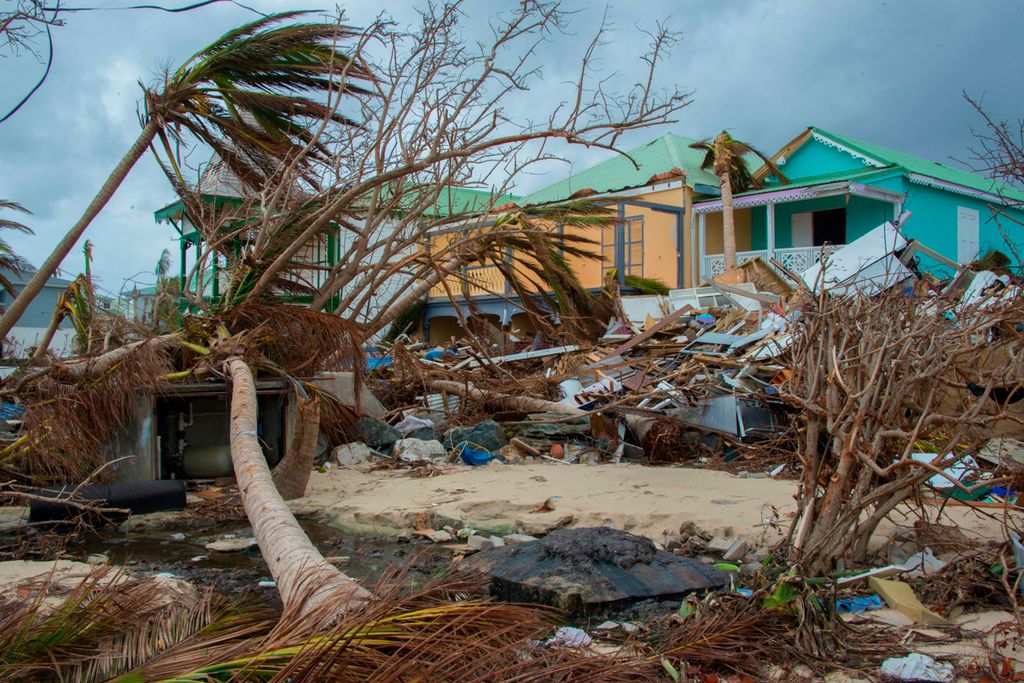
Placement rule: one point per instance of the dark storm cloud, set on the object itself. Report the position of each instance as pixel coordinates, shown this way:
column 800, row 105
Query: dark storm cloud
column 889, row 72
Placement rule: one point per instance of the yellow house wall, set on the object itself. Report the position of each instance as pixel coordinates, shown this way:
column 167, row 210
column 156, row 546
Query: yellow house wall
column 660, row 236
column 713, row 234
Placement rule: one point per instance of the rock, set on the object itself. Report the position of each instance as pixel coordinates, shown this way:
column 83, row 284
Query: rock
column 179, row 536
column 736, row 552
column 98, row 559
column 519, row 538
column 426, row 434
column 590, row 569
column 511, row 453
column 418, row 450
column 673, row 541
column 352, row 454
column 487, row 434
column 440, row 536
column 230, row 545
column 541, row 525
column 478, row 542
column 376, row 433
column 751, row 568
column 720, row 545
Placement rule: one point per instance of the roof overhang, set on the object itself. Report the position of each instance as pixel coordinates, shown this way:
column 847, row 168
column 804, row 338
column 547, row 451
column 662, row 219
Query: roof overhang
column 928, row 181
column 783, row 195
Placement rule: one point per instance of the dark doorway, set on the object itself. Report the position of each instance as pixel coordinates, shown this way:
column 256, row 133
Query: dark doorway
column 830, row 227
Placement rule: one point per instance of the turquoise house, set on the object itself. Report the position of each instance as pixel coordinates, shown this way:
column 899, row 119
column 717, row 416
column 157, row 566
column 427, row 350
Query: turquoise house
column 840, row 188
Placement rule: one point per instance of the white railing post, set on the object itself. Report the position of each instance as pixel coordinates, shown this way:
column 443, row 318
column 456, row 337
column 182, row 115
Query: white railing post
column 770, row 229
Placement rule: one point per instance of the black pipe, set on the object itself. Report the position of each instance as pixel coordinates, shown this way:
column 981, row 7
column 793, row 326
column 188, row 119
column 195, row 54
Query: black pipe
column 139, row 497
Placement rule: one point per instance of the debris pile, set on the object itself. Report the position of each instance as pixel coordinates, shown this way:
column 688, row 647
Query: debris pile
column 701, row 376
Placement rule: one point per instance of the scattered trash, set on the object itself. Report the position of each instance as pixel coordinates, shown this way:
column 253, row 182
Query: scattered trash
column 570, row 636
column 859, row 605
column 918, row 667
column 900, row 596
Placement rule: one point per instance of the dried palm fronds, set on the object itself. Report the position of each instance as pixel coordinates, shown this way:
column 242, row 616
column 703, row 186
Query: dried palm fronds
column 68, row 426
column 111, row 623
column 297, row 340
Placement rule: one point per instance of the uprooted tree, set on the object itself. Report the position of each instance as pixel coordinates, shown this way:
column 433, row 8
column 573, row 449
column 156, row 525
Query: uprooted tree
column 877, row 379
column 364, row 144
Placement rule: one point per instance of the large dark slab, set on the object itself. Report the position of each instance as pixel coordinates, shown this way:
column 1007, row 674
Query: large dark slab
column 582, row 570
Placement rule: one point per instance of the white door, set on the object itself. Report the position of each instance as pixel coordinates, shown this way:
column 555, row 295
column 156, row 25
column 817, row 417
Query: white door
column 803, row 229
column 967, row 239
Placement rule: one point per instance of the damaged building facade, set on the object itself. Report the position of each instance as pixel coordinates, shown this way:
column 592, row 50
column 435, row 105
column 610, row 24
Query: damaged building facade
column 669, row 223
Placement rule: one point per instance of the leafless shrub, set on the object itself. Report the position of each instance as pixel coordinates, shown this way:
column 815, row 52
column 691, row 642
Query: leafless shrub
column 875, row 380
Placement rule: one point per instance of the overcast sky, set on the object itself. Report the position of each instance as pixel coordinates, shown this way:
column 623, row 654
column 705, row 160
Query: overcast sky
column 888, row 72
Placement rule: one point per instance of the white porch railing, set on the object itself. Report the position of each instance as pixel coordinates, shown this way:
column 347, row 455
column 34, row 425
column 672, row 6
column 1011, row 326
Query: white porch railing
column 796, row 259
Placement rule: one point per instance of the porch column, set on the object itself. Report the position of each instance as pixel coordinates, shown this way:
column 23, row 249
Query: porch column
column 770, row 228
column 620, row 245
column 702, row 225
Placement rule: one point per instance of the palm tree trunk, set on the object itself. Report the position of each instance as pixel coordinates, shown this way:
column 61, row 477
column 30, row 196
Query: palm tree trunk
column 304, row 578
column 44, row 344
column 728, row 222
column 53, row 261
column 292, row 474
column 94, row 367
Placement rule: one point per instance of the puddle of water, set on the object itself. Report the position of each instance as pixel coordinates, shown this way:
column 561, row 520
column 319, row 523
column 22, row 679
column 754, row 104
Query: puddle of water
column 164, row 550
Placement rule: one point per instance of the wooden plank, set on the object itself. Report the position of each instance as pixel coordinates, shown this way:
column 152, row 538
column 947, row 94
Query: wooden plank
column 644, row 336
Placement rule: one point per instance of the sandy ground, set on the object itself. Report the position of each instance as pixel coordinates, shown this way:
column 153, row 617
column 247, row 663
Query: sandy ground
column 651, row 501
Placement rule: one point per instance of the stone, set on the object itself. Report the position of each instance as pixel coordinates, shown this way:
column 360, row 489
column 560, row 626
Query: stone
column 178, row 536
column 591, row 569
column 377, row 434
column 497, row 541
column 478, row 542
column 541, row 524
column 426, row 434
column 352, row 454
column 736, row 552
column 230, row 545
column 418, row 450
column 98, row 559
column 511, row 454
column 673, row 541
column 440, row 536
column 487, row 434
column 720, row 545
column 751, row 568
column 519, row 538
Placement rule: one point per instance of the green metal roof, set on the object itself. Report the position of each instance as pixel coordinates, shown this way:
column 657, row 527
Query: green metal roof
column 914, row 164
column 618, row 173
column 459, row 200
column 860, row 176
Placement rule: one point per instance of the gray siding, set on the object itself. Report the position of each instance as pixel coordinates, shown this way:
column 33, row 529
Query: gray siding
column 40, row 311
